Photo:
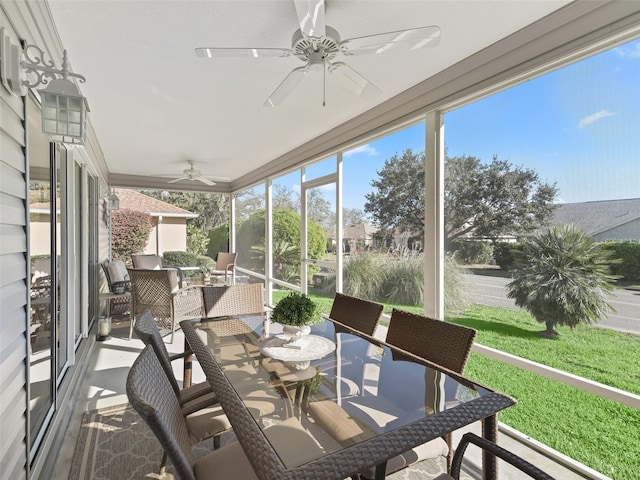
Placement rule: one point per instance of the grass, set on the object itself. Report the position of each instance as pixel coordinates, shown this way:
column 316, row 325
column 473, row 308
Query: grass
column 600, row 433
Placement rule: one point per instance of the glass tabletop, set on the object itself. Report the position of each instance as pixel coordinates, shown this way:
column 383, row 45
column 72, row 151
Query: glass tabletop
column 350, row 391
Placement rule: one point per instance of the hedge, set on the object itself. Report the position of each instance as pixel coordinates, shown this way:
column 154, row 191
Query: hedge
column 628, row 253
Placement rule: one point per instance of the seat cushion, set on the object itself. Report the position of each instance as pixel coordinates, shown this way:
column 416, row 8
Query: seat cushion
column 117, row 271
column 148, row 262
column 224, row 464
column 435, row 448
column 338, row 423
column 293, row 443
column 207, row 423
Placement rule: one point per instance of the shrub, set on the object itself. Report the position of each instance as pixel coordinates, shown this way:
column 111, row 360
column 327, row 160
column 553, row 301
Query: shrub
column 562, row 278
column 506, row 253
column 218, row 240
column 205, row 261
column 627, row 253
column 359, row 277
column 197, row 241
column 129, row 233
column 179, row 259
column 471, row 251
column 403, row 280
column 296, row 309
column 286, row 228
column 455, row 298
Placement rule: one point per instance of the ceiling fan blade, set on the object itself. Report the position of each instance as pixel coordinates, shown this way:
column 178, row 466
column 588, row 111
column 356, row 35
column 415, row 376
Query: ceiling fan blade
column 355, row 81
column 242, row 52
column 177, row 179
column 311, row 17
column 205, row 180
column 410, row 39
column 287, row 86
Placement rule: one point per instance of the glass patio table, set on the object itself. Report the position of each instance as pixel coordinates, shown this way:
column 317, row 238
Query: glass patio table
column 354, row 403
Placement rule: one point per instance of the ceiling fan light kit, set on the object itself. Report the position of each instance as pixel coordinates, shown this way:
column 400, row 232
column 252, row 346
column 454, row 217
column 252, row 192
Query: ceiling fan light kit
column 317, row 45
column 192, row 174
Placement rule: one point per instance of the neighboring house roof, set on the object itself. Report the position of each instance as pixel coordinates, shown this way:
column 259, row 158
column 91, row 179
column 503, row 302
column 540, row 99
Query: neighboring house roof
column 359, row 230
column 134, row 200
column 597, row 217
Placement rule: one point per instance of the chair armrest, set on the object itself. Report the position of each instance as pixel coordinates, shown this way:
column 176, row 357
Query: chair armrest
column 509, row 457
column 178, row 356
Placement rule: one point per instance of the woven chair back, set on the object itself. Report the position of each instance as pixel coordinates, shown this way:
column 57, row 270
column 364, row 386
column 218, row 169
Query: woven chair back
column 147, row 330
column 151, row 290
column 225, row 259
column 151, row 395
column 437, row 341
column 230, row 300
column 359, row 314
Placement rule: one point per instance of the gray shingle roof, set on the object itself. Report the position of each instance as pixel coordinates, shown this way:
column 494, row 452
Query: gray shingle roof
column 597, row 217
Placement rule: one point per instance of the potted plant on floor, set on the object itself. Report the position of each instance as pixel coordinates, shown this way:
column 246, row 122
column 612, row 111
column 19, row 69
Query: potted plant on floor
column 296, row 312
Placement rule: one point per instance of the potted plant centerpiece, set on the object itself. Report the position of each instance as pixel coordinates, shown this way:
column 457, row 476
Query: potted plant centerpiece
column 296, row 312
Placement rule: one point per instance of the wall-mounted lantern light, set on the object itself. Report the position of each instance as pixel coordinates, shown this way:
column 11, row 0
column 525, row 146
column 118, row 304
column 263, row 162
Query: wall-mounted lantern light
column 64, row 109
column 114, row 201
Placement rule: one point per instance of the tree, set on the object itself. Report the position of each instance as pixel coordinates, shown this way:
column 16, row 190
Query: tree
column 561, row 277
column 196, row 240
column 319, row 210
column 487, row 200
column 129, row 233
column 352, row 216
column 398, row 202
column 286, row 228
column 284, row 198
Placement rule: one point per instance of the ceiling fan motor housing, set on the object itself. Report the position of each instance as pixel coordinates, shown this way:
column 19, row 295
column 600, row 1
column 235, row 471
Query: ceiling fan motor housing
column 304, row 47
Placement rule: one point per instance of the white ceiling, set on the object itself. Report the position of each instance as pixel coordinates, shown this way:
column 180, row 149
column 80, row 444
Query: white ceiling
column 154, row 104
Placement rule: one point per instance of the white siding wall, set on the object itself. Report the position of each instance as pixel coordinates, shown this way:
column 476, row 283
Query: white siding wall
column 13, row 282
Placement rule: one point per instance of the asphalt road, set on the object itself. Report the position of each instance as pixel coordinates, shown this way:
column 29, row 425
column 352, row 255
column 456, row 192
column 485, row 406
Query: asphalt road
column 489, row 290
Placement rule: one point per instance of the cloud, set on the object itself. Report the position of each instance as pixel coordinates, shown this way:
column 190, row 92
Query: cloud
column 589, row 119
column 629, row 51
column 366, row 148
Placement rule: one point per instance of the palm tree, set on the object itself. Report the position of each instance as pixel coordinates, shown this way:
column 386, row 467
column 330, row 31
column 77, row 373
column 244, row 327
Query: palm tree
column 562, row 278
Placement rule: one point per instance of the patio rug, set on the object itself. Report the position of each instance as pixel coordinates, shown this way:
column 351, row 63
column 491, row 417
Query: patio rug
column 115, row 443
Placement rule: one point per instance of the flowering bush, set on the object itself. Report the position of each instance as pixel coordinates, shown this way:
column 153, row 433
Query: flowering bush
column 129, row 233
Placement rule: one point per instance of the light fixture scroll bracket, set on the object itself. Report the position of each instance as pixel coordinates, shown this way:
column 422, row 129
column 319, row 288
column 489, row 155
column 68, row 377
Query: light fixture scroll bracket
column 33, row 61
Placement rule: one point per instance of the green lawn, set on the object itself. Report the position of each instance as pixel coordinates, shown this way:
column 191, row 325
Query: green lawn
column 600, row 433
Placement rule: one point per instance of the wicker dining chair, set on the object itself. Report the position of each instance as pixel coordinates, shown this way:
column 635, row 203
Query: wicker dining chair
column 521, row 464
column 191, row 398
column 151, row 395
column 225, row 266
column 158, row 292
column 439, row 342
column 230, row 300
column 359, row 314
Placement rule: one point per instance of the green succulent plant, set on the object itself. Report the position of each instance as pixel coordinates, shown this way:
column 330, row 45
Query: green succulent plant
column 297, row 309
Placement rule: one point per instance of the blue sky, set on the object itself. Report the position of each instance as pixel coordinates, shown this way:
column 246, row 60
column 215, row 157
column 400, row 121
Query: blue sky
column 578, row 127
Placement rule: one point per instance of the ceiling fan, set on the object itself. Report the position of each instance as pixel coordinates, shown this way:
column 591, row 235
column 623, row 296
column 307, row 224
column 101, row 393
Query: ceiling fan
column 191, row 174
column 318, row 45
